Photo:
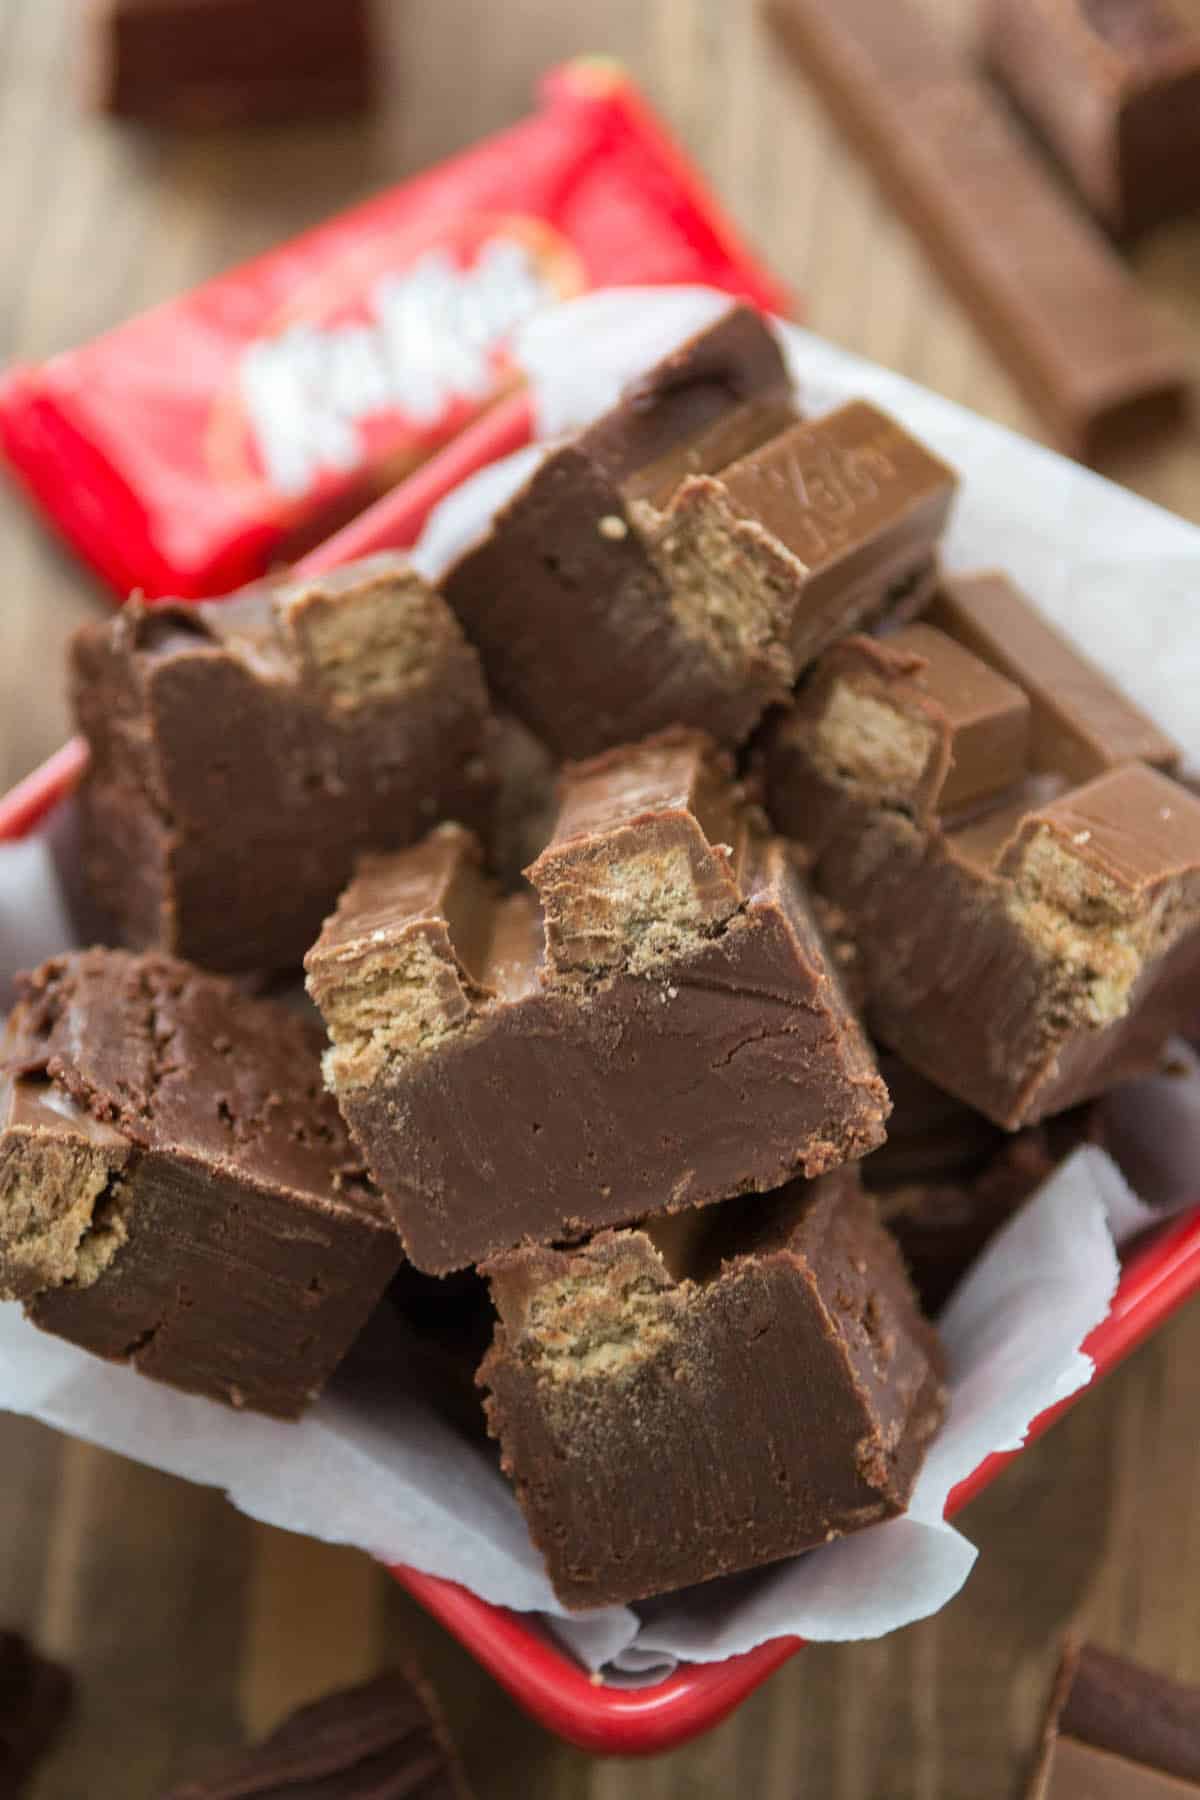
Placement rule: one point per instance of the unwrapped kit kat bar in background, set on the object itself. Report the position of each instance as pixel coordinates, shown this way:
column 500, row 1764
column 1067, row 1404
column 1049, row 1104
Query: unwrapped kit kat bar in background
column 215, row 436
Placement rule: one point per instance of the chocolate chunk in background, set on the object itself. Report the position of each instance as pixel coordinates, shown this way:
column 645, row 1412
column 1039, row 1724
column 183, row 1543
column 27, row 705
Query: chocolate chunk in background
column 1113, row 88
column 35, row 1699
column 243, row 751
column 195, row 63
column 672, row 1034
column 383, row 1738
column 684, row 558
column 1037, row 278
column 1024, row 924
column 177, row 1190
column 1117, row 1731
column 710, row 1392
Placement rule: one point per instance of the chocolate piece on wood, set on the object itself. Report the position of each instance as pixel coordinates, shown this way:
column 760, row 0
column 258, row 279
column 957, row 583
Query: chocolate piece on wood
column 244, row 751
column 1117, row 1731
column 711, row 1392
column 1025, row 926
column 227, row 62
column 177, row 1190
column 664, row 1030
column 1113, row 87
column 384, row 1738
column 35, row 1699
column 1039, row 280
column 683, row 559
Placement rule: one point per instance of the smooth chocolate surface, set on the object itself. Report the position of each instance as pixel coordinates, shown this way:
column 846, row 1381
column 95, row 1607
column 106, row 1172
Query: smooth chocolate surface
column 672, row 1034
column 1026, row 930
column 676, row 1405
column 177, row 1190
column 244, row 751
column 1117, row 1731
column 685, row 557
column 383, row 1739
column 1038, row 280
column 1113, row 87
column 227, row 62
column 35, row 1698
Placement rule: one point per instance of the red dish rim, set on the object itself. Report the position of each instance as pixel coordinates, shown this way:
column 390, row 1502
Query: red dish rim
column 1160, row 1274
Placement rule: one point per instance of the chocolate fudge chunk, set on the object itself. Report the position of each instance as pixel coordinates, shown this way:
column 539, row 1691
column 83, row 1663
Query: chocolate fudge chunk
column 672, row 1034
column 383, row 1739
column 243, row 751
column 1115, row 1731
column 177, row 1191
column 1021, row 887
column 676, row 1404
column 226, row 62
column 1113, row 86
column 35, row 1698
column 684, row 558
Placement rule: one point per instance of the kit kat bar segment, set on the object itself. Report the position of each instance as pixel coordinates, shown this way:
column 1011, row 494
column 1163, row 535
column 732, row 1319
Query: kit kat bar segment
column 1040, row 281
column 677, row 1405
column 177, row 1190
column 1117, row 1731
column 1113, row 86
column 664, row 1030
column 995, row 850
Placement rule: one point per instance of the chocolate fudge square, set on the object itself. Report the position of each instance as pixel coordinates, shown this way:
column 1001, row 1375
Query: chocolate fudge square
column 1117, row 1731
column 710, row 1392
column 655, row 1026
column 686, row 556
column 177, row 1190
column 243, row 751
column 1013, row 867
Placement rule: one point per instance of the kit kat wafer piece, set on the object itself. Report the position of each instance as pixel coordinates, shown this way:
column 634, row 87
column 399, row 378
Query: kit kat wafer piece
column 1039, row 281
column 1117, row 1731
column 663, row 1030
column 1016, row 870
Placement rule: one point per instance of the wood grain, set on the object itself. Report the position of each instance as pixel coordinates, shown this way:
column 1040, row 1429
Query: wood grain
column 187, row 1623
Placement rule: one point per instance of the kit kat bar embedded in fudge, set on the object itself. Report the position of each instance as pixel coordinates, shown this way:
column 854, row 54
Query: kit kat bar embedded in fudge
column 1020, row 886
column 1038, row 279
column 177, row 1190
column 711, row 1392
column 1113, row 86
column 1117, row 1731
column 244, row 751
column 670, row 1032
column 684, row 558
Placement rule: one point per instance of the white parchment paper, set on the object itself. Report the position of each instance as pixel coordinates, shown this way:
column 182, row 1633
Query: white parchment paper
column 371, row 1465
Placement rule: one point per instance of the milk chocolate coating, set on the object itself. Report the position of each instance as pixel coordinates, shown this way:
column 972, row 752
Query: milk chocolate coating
column 226, row 62
column 1113, row 87
column 672, row 1035
column 177, row 1190
column 35, row 1698
column 1116, row 1731
column 685, row 557
column 383, row 1739
column 1040, row 939
column 244, row 751
column 1037, row 279
column 754, row 1381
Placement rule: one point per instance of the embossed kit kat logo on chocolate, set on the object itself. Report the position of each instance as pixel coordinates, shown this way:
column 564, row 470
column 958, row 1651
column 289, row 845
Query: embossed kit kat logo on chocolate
column 387, row 357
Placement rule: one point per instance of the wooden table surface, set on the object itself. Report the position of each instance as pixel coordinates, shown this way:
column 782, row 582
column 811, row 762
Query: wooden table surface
column 185, row 1622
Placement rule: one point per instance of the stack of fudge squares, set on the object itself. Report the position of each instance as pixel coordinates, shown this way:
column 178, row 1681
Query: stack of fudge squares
column 692, row 825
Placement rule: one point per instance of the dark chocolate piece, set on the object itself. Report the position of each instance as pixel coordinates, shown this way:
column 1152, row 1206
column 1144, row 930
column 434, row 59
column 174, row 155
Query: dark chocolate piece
column 177, row 1190
column 35, row 1698
column 382, row 1740
column 243, row 752
column 686, row 557
column 1026, row 929
column 1113, row 86
column 673, row 1405
column 227, row 62
column 1116, row 1731
column 673, row 1034
column 1038, row 280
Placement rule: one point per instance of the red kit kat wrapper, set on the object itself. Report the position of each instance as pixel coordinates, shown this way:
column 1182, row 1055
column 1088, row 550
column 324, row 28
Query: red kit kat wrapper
column 190, row 450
